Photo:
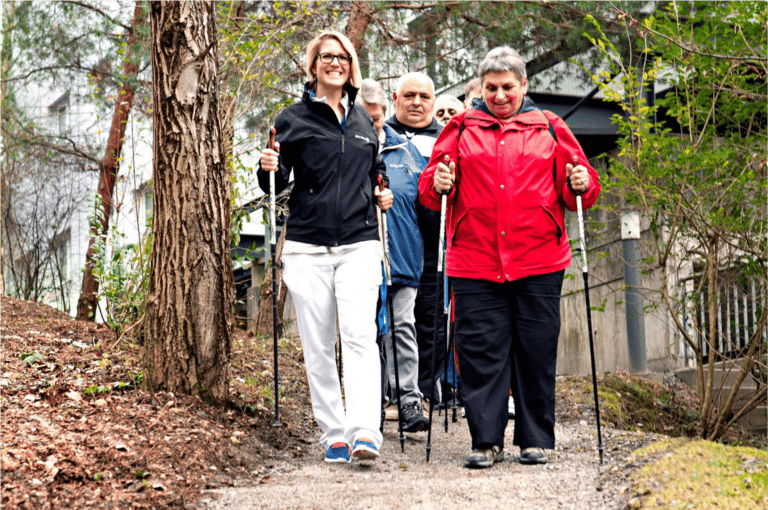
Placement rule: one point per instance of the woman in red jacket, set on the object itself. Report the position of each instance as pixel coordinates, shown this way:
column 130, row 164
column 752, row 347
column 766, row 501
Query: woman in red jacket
column 510, row 171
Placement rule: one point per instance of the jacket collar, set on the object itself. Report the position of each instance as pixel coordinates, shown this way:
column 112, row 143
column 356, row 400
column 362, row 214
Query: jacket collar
column 392, row 137
column 349, row 89
column 527, row 106
column 431, row 129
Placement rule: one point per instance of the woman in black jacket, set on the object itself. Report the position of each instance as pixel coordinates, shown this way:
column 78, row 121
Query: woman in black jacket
column 332, row 255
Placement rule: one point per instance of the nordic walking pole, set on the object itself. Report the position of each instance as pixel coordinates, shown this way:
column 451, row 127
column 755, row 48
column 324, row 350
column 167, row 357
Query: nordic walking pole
column 273, row 249
column 446, row 304
column 585, row 274
column 391, row 319
column 452, row 354
column 438, row 308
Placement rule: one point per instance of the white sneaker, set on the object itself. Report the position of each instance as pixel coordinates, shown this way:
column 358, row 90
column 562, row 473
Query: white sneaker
column 511, row 408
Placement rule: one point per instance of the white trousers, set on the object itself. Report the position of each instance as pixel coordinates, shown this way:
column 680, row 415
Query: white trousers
column 346, row 280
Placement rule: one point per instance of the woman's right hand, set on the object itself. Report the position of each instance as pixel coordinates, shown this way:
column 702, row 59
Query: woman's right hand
column 445, row 176
column 270, row 159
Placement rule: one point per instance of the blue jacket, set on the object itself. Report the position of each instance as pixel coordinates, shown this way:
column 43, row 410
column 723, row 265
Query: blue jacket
column 404, row 165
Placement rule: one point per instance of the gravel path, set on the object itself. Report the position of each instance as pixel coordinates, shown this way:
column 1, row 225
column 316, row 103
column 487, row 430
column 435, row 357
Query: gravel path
column 573, row 479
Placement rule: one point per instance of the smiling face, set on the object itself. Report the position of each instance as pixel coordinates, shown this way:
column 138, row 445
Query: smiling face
column 334, row 74
column 503, row 93
column 414, row 102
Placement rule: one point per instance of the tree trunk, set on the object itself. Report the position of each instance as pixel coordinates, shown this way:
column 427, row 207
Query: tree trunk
column 5, row 66
column 110, row 165
column 189, row 322
column 359, row 18
column 264, row 318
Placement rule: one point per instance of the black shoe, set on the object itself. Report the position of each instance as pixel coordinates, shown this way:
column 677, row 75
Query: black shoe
column 413, row 419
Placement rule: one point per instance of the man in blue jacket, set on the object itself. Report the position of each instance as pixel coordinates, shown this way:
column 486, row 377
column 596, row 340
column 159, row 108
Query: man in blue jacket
column 414, row 101
column 404, row 165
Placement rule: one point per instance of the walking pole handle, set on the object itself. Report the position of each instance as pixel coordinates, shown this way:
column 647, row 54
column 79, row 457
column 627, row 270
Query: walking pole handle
column 385, row 235
column 582, row 245
column 271, row 145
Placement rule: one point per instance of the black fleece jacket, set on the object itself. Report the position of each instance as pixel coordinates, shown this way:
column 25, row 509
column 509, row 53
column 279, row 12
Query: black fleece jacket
column 335, row 172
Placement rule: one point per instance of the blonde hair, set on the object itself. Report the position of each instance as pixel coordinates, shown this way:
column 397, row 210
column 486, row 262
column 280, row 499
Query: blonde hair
column 313, row 49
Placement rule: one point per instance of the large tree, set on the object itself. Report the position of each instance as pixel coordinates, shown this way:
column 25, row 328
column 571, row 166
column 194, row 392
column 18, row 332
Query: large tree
column 188, row 326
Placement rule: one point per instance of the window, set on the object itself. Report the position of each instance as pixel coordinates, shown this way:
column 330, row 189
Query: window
column 58, row 110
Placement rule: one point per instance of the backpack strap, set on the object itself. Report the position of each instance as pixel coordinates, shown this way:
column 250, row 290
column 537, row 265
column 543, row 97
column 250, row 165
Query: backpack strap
column 550, row 127
column 551, row 130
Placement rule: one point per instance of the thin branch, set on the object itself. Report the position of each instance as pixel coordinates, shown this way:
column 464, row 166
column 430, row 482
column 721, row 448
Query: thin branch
column 99, row 11
column 689, row 48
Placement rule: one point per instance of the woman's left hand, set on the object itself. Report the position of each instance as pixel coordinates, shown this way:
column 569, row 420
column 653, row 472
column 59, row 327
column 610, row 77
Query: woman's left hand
column 384, row 198
column 578, row 176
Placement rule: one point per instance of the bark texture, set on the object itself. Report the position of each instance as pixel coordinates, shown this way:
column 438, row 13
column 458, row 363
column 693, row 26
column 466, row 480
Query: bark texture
column 359, row 19
column 110, row 165
column 189, row 322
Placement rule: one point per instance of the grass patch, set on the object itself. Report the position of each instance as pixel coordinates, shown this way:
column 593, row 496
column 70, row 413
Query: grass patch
column 683, row 473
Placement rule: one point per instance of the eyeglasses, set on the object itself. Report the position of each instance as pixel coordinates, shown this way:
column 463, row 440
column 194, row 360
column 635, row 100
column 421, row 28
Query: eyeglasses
column 327, row 58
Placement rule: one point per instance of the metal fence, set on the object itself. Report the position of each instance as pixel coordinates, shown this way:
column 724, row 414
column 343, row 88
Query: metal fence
column 739, row 304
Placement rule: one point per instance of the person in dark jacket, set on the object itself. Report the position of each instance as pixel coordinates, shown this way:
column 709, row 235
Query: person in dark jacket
column 404, row 166
column 512, row 171
column 332, row 255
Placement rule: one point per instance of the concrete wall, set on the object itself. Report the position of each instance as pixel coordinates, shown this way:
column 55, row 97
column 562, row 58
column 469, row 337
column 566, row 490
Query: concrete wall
column 664, row 348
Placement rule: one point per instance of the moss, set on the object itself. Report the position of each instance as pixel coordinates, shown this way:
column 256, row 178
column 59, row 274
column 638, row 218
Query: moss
column 681, row 473
column 611, row 408
column 637, row 404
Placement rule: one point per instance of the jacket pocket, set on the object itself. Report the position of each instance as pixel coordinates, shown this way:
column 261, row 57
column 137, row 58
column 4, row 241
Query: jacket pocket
column 367, row 200
column 458, row 224
column 551, row 216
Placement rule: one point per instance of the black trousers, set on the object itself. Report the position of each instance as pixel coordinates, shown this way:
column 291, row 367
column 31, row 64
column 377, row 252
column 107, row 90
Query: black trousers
column 424, row 311
column 506, row 337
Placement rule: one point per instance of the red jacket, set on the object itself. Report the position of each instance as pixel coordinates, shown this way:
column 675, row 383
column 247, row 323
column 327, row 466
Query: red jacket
column 506, row 213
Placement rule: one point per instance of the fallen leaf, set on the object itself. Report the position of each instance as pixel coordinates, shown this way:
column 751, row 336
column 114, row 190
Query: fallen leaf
column 74, row 395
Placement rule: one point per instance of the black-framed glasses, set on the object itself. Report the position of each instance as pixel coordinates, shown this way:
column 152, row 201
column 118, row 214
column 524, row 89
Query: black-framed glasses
column 327, row 58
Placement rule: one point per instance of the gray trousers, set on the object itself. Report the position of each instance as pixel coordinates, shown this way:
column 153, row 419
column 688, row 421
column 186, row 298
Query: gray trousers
column 403, row 300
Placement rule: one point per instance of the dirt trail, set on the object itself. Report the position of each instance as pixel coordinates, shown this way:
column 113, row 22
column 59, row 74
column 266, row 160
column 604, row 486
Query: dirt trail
column 572, row 480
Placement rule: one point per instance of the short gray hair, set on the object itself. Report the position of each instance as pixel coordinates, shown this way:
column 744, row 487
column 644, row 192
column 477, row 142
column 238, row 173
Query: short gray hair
column 471, row 85
column 501, row 60
column 408, row 76
column 371, row 92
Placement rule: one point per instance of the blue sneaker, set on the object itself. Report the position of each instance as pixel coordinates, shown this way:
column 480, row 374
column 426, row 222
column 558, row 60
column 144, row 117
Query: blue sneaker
column 364, row 449
column 337, row 452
